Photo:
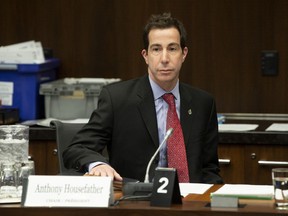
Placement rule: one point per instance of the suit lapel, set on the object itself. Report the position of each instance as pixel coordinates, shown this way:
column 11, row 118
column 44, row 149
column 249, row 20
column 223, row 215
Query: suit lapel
column 147, row 109
column 186, row 114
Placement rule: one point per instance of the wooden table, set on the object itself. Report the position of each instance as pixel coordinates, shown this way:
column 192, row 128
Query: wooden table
column 193, row 205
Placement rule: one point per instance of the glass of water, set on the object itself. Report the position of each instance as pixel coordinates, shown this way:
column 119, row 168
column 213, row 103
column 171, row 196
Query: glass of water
column 280, row 182
column 8, row 183
column 14, row 143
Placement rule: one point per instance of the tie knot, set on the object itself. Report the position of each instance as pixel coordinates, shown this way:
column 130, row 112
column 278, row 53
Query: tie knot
column 169, row 98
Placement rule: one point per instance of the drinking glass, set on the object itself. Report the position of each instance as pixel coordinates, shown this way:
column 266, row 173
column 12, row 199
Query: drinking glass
column 280, row 182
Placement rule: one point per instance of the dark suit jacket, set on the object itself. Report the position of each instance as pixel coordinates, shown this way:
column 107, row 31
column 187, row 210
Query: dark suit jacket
column 125, row 122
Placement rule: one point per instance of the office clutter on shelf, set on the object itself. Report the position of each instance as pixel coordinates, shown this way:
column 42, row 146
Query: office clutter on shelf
column 19, row 86
column 8, row 116
column 28, row 52
column 72, row 98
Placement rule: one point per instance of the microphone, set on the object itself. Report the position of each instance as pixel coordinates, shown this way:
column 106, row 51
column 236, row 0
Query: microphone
column 144, row 188
column 167, row 135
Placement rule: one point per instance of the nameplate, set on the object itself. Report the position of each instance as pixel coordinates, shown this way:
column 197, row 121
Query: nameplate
column 224, row 202
column 67, row 191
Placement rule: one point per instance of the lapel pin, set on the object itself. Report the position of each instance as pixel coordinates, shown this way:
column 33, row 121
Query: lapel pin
column 189, row 111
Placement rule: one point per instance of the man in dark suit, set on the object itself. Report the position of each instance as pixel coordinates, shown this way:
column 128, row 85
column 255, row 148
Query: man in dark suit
column 131, row 116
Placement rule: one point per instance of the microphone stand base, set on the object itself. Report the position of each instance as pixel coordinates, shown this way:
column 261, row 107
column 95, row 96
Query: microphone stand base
column 137, row 189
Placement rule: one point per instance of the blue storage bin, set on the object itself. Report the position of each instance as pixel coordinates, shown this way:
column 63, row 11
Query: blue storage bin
column 26, row 80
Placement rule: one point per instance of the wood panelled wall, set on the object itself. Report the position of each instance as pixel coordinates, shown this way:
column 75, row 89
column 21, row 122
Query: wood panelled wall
column 103, row 38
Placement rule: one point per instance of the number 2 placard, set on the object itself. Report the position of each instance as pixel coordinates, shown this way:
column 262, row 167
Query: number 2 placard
column 165, row 188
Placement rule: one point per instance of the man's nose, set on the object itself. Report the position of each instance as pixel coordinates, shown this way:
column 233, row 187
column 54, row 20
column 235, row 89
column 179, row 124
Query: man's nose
column 165, row 56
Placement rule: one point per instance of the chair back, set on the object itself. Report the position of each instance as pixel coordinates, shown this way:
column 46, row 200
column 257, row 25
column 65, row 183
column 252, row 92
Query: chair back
column 64, row 134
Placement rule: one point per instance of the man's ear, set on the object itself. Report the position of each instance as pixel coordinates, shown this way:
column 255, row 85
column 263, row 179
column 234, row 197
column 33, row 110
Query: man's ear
column 185, row 52
column 145, row 54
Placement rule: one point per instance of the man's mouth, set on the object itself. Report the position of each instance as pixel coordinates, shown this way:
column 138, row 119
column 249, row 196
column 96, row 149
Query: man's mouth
column 165, row 70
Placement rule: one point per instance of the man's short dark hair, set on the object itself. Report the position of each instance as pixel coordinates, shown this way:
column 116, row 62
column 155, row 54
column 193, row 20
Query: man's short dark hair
column 164, row 21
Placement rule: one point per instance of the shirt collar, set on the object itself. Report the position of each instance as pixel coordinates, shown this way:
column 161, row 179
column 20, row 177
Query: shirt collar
column 158, row 91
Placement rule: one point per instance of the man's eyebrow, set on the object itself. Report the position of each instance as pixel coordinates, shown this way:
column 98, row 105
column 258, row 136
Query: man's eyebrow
column 172, row 44
column 155, row 45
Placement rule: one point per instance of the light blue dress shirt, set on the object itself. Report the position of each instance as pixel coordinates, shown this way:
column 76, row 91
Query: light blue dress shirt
column 161, row 111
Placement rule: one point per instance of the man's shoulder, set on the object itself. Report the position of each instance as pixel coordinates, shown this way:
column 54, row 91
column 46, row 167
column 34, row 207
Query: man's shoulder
column 127, row 84
column 194, row 91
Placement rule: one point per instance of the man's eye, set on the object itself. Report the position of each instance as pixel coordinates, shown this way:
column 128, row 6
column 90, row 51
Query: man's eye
column 173, row 48
column 156, row 49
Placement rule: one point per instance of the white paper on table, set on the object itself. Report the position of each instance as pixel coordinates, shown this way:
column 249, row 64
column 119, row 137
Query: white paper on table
column 278, row 127
column 193, row 188
column 246, row 191
column 237, row 127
